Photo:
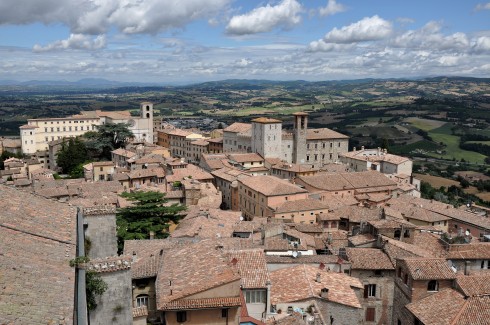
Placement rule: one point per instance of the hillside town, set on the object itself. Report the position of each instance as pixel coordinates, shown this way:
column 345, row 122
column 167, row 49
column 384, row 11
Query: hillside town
column 278, row 226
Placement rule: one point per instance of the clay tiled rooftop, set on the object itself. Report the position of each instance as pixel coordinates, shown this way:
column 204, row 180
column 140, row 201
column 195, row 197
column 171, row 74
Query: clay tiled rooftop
column 190, row 171
column 474, row 285
column 245, row 157
column 239, row 127
column 375, row 156
column 368, row 259
column 266, row 120
column 207, row 223
column 428, row 268
column 37, row 239
column 192, row 269
column 252, row 267
column 202, row 303
column 356, row 214
column 303, row 259
column 301, row 205
column 271, row 186
column 438, row 309
column 299, row 283
column 396, row 249
column 124, row 153
column 361, row 239
column 470, row 251
column 324, row 133
column 140, row 311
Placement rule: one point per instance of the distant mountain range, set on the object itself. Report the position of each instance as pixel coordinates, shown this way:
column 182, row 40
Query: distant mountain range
column 98, row 84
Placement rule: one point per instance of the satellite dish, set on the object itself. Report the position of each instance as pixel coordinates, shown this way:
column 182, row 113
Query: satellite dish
column 467, row 233
column 295, row 254
column 241, row 218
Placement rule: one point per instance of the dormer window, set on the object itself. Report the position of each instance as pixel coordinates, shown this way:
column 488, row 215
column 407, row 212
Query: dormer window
column 433, row 285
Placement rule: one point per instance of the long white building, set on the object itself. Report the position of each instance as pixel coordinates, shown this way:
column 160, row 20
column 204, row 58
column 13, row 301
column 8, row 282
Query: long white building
column 37, row 133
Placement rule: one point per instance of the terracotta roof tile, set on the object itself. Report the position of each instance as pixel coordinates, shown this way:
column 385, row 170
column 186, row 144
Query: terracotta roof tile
column 245, row 157
column 474, row 285
column 37, row 239
column 438, row 309
column 192, row 269
column 270, row 185
column 238, row 127
column 252, row 267
column 324, row 133
column 207, row 223
column 301, row 205
column 368, row 259
column 361, row 239
column 219, row 302
column 428, row 268
column 140, row 311
column 470, row 251
column 299, row 283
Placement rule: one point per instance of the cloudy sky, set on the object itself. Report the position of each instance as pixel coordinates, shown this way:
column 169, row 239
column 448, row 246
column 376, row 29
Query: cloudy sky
column 185, row 41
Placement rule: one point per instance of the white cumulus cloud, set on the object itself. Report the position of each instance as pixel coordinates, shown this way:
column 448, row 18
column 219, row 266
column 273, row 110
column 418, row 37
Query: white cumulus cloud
column 482, row 6
column 430, row 37
column 75, row 41
column 264, row 19
column 482, row 44
column 332, row 8
column 98, row 16
column 367, row 29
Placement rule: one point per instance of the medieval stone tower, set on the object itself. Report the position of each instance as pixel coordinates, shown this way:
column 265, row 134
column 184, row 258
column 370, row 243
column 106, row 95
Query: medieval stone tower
column 267, row 137
column 299, row 137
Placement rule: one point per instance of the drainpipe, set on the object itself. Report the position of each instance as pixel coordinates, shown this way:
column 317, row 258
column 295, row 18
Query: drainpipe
column 80, row 295
column 268, row 300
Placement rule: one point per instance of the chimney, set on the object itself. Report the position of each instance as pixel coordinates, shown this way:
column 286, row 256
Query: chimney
column 322, row 266
column 134, row 256
column 152, row 234
column 354, row 149
column 318, row 277
column 466, row 266
column 362, row 147
column 324, row 293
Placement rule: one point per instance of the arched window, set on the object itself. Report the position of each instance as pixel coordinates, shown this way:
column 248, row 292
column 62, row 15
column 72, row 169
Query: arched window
column 398, row 234
column 433, row 285
column 141, row 300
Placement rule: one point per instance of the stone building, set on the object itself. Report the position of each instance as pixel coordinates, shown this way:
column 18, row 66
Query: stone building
column 37, row 133
column 315, row 147
column 376, row 272
column 418, row 278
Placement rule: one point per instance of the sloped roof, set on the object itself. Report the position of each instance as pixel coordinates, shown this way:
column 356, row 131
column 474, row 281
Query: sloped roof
column 192, row 269
column 301, row 205
column 271, row 186
column 440, row 308
column 252, row 267
column 421, row 268
column 474, row 285
column 299, row 283
column 238, row 127
column 368, row 259
column 37, row 239
column 324, row 133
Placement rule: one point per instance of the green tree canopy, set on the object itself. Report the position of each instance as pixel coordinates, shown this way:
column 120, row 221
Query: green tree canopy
column 72, row 154
column 148, row 213
column 107, row 138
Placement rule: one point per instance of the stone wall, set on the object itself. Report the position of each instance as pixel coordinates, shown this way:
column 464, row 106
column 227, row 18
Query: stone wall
column 115, row 305
column 100, row 230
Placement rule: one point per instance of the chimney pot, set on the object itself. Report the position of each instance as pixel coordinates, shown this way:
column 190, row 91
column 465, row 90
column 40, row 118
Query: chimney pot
column 318, row 278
